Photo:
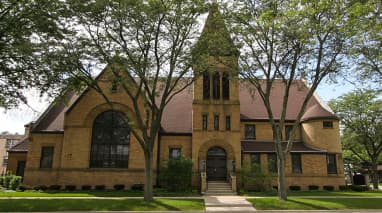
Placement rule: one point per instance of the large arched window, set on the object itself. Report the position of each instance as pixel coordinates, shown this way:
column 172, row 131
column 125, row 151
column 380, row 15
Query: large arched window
column 110, row 141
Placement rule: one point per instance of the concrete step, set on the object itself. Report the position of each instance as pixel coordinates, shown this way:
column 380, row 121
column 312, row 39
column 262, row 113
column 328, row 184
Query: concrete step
column 219, row 193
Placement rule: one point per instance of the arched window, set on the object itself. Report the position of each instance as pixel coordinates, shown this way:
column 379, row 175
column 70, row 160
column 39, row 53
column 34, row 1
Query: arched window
column 110, row 141
column 206, row 85
column 216, row 85
column 225, row 80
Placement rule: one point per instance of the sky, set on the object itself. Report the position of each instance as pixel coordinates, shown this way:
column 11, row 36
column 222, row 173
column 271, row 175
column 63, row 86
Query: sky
column 14, row 120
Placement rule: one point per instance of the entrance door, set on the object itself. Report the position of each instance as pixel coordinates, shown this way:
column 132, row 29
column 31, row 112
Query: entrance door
column 216, row 164
column 20, row 168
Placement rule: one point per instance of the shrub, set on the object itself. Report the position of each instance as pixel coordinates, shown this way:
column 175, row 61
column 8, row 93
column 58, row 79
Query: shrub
column 40, row 188
column 138, row 187
column 7, row 180
column 328, row 188
column 15, row 182
column 55, row 187
column 313, row 187
column 22, row 188
column 254, row 179
column 177, row 174
column 344, row 188
column 100, row 187
column 119, row 187
column 359, row 188
column 2, row 177
column 70, row 187
column 86, row 187
column 295, row 188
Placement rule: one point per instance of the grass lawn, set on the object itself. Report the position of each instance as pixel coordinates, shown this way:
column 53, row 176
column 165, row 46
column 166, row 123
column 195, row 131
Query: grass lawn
column 316, row 193
column 316, row 203
column 25, row 205
column 157, row 192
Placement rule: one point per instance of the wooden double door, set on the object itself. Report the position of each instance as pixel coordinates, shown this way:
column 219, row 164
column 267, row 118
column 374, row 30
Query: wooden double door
column 216, row 164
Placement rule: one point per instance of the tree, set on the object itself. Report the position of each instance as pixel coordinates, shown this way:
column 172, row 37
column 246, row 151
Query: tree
column 148, row 46
column 365, row 44
column 360, row 112
column 283, row 41
column 29, row 31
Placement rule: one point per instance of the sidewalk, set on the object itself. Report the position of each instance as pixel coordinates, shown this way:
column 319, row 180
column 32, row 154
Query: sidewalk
column 227, row 204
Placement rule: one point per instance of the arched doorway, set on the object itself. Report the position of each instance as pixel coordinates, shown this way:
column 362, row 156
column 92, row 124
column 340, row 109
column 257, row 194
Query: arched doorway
column 216, row 164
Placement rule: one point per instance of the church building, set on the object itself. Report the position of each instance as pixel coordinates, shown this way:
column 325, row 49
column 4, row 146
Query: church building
column 219, row 122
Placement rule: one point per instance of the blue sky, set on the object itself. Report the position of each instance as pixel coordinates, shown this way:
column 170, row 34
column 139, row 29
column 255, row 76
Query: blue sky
column 15, row 119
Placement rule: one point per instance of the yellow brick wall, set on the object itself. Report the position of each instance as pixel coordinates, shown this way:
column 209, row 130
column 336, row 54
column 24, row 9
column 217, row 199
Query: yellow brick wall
column 72, row 149
column 182, row 142
column 264, row 130
column 14, row 157
column 324, row 138
column 314, row 171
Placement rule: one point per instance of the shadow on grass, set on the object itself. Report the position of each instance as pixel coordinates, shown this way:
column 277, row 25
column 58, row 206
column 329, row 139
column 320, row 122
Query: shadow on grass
column 313, row 206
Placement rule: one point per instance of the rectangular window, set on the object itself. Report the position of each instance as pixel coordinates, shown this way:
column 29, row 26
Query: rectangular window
column 175, row 152
column 228, row 122
column 255, row 158
column 296, row 163
column 46, row 160
column 216, row 122
column 288, row 130
column 206, row 85
column 331, row 163
column 272, row 163
column 5, row 161
column 250, row 131
column 216, row 85
column 205, row 122
column 327, row 124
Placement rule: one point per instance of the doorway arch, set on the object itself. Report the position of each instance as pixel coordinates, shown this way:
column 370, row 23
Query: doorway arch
column 216, row 164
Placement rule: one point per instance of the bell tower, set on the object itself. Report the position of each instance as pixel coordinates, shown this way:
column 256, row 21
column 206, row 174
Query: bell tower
column 216, row 106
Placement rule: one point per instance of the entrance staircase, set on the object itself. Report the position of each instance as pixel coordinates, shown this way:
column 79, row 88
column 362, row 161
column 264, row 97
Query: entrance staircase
column 219, row 188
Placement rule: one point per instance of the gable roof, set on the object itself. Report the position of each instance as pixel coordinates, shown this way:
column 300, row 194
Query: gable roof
column 177, row 116
column 22, row 146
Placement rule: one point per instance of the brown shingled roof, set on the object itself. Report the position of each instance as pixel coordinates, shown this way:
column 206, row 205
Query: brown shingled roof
column 269, row 147
column 22, row 146
column 53, row 117
column 317, row 112
column 177, row 116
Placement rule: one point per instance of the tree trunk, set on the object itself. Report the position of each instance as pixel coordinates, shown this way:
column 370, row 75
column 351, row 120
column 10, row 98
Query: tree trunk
column 281, row 177
column 148, row 193
column 374, row 175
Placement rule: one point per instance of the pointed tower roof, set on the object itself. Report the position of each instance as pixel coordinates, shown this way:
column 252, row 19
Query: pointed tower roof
column 215, row 39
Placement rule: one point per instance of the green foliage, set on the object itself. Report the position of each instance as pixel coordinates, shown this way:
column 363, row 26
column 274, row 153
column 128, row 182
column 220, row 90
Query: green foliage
column 177, row 174
column 360, row 112
column 365, row 43
column 15, row 182
column 10, row 181
column 254, row 179
column 29, row 31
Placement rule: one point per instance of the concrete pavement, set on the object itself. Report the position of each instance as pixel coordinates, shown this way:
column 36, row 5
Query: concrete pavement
column 227, row 204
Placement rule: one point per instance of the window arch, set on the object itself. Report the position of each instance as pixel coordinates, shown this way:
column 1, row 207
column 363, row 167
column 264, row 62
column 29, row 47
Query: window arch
column 110, row 141
column 216, row 85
